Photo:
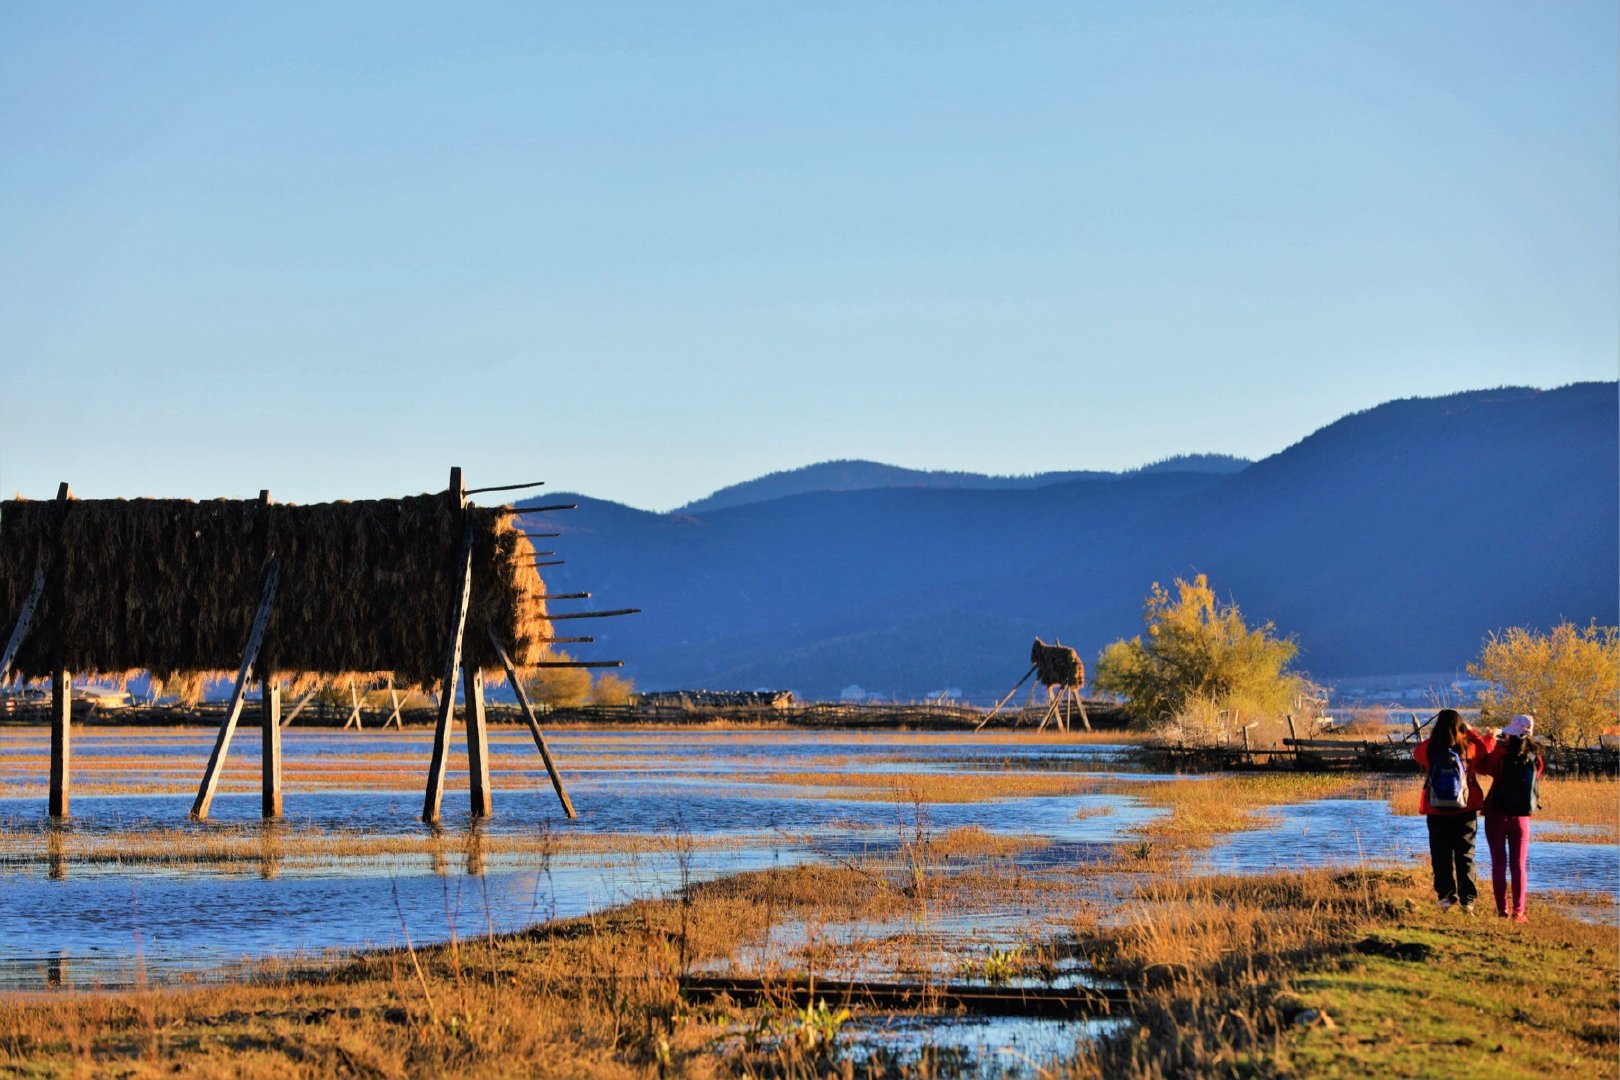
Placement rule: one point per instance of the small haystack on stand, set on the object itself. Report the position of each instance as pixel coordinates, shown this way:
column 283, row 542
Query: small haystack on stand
column 428, row 591
column 1059, row 669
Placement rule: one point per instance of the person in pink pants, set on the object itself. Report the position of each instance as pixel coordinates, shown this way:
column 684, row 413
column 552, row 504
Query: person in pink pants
column 1515, row 768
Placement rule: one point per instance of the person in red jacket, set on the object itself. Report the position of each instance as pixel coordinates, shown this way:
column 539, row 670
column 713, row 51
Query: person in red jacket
column 1451, row 798
column 1515, row 768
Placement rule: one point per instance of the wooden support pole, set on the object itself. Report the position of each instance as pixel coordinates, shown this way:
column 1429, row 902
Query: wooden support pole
column 227, row 726
column 61, row 742
column 1293, row 737
column 1081, row 702
column 60, row 791
column 483, row 804
column 269, row 696
column 394, row 717
column 433, row 798
column 270, row 733
column 298, row 708
column 534, row 725
column 1004, row 700
column 354, row 714
column 20, row 631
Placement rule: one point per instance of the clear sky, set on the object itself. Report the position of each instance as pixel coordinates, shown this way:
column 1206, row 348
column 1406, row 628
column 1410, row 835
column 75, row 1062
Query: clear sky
column 645, row 250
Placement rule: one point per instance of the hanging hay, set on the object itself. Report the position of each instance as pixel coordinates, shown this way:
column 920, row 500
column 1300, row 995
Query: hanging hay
column 1057, row 665
column 171, row 586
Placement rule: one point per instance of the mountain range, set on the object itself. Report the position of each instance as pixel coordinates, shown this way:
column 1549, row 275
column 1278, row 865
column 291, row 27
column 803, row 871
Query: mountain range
column 1392, row 540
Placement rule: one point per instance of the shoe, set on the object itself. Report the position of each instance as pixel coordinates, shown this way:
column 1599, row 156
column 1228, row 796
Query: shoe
column 1521, row 919
column 1503, row 914
column 1447, row 904
column 1468, row 908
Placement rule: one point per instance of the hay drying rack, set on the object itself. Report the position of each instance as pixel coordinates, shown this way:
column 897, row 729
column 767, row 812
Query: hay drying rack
column 460, row 641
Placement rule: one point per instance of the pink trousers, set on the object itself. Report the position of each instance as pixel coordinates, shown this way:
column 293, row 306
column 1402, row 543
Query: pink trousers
column 1509, row 838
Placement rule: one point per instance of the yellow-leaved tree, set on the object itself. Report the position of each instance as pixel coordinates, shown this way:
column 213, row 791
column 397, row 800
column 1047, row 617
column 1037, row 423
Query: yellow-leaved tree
column 611, row 689
column 1199, row 659
column 1567, row 678
column 559, row 687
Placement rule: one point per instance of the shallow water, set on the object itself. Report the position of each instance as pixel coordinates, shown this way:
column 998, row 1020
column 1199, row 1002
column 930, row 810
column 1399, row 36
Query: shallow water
column 100, row 924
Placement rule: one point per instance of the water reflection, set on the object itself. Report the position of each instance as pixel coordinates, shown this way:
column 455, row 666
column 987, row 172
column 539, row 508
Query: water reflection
column 157, row 920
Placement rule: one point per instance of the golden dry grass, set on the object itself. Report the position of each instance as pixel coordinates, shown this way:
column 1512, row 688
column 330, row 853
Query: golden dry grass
column 1348, row 974
column 248, row 846
column 931, row 787
column 1202, row 807
column 1590, row 802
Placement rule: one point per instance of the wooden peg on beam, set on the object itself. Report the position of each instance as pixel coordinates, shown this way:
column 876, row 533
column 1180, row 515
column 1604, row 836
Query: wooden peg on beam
column 566, row 596
column 593, row 614
column 578, row 663
column 505, row 487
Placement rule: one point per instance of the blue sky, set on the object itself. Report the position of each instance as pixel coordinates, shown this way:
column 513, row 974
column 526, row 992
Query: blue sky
column 645, row 250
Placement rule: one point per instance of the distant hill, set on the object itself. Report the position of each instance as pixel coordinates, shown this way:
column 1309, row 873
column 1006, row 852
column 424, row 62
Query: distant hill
column 858, row 475
column 1391, row 540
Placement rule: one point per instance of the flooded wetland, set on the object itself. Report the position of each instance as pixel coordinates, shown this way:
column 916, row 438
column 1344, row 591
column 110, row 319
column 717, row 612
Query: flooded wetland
column 918, row 858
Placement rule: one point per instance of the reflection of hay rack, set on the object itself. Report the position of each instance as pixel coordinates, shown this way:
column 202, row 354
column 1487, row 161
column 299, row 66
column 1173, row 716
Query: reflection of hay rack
column 429, row 589
column 1061, row 671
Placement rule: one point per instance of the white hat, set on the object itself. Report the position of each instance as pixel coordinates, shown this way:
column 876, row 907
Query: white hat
column 1520, row 725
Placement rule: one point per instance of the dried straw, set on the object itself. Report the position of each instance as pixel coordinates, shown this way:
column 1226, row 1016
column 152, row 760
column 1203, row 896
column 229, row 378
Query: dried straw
column 1057, row 665
column 171, row 586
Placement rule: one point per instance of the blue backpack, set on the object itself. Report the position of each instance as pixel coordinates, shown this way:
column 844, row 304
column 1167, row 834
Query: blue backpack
column 1448, row 781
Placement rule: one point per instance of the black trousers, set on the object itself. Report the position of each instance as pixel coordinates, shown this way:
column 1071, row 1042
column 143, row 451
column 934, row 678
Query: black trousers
column 1451, row 853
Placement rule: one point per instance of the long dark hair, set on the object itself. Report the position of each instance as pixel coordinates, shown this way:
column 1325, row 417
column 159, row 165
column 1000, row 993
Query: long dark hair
column 1522, row 749
column 1448, row 732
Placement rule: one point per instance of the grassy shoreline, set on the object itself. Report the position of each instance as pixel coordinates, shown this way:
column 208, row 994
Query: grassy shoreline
column 1307, row 973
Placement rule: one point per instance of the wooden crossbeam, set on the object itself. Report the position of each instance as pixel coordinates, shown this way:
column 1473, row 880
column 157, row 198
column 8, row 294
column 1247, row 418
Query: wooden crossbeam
column 534, row 725
column 227, row 726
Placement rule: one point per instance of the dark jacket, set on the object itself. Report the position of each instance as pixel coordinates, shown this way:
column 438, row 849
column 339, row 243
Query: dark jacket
column 1496, row 799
